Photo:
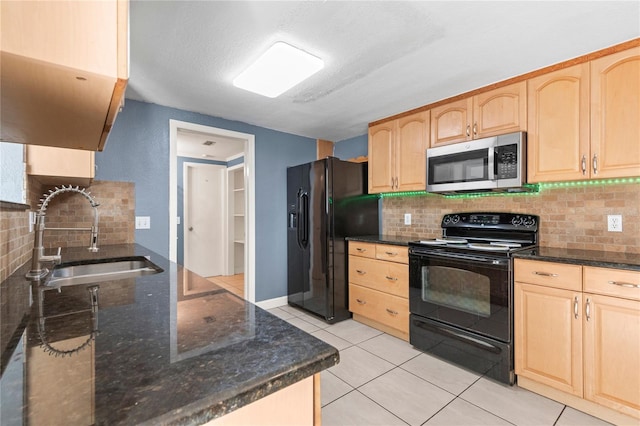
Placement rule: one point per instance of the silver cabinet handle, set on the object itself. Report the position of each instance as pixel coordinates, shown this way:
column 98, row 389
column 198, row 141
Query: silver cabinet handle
column 362, row 302
column 623, row 284
column 587, row 309
column 392, row 312
column 361, row 272
column 191, row 228
column 391, row 278
column 391, row 253
column 595, row 164
column 475, row 128
column 361, row 250
column 545, row 274
column 575, row 307
column 583, row 164
column 468, row 130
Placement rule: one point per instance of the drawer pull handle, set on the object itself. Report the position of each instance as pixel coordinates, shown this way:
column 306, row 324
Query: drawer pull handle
column 361, row 250
column 362, row 302
column 575, row 307
column 623, row 284
column 392, row 312
column 361, row 272
column 545, row 274
column 587, row 309
column 391, row 253
column 391, row 278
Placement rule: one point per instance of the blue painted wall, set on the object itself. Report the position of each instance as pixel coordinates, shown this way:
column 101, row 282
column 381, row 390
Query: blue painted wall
column 138, row 151
column 351, row 148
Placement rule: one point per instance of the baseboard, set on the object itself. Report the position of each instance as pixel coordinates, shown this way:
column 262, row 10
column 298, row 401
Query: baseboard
column 272, row 303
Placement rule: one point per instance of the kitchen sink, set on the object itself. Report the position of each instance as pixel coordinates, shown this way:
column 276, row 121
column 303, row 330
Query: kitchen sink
column 93, row 271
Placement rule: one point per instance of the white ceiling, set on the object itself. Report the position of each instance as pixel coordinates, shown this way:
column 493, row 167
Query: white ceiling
column 381, row 58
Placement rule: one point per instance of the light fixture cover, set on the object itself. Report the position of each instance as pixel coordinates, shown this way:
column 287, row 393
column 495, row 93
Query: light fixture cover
column 277, row 70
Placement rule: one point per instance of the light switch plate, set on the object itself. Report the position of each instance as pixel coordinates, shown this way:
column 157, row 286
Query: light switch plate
column 143, row 222
column 407, row 218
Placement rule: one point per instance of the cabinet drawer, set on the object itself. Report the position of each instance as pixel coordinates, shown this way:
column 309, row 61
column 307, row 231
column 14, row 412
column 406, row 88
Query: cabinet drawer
column 358, row 248
column 612, row 282
column 379, row 275
column 550, row 274
column 384, row 308
column 392, row 253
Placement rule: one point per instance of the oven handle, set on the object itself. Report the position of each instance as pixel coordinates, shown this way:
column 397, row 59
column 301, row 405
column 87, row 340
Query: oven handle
column 461, row 256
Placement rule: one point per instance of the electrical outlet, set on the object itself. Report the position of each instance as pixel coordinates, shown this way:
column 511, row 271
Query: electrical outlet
column 407, row 218
column 614, row 223
column 143, row 222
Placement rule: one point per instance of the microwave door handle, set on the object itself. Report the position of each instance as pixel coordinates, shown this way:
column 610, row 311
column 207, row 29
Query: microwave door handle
column 491, row 165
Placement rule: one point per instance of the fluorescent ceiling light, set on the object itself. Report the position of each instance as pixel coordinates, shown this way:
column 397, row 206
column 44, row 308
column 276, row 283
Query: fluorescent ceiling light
column 280, row 68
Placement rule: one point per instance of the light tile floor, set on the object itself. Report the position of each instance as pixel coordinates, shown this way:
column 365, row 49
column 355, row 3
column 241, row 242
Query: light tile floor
column 382, row 380
column 233, row 283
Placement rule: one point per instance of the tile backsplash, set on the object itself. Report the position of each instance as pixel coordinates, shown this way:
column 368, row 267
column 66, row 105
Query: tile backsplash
column 570, row 217
column 116, row 224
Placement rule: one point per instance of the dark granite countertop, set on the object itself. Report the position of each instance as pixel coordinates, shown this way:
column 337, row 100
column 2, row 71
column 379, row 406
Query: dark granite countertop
column 384, row 239
column 171, row 348
column 603, row 259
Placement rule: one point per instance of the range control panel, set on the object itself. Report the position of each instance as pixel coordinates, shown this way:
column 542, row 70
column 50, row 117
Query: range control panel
column 491, row 220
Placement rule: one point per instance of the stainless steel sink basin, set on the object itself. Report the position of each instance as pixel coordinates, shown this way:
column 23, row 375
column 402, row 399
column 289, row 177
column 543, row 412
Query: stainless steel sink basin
column 87, row 272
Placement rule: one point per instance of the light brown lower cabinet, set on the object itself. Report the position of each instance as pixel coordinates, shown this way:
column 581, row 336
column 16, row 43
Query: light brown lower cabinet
column 577, row 336
column 379, row 286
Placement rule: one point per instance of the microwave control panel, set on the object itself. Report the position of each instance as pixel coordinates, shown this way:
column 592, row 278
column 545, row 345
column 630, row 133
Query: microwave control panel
column 506, row 161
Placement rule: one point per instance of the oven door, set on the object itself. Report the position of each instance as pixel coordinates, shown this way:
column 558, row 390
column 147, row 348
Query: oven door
column 467, row 291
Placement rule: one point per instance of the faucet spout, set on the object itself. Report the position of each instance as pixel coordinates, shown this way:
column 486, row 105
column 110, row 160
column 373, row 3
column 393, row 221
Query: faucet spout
column 38, row 271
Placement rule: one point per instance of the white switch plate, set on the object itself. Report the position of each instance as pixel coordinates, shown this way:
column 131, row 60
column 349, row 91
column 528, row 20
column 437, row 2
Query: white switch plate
column 143, row 222
column 407, row 218
column 614, row 223
column 32, row 220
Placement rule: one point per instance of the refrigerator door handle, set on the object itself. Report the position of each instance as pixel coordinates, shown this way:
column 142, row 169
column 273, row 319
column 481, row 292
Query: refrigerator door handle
column 303, row 219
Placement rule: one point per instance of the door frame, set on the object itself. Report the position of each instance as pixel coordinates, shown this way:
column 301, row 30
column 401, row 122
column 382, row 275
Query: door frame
column 221, row 170
column 249, row 180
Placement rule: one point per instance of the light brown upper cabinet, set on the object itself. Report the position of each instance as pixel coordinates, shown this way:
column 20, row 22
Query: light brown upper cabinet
column 397, row 154
column 64, row 71
column 497, row 111
column 615, row 115
column 558, row 136
column 61, row 165
column 584, row 121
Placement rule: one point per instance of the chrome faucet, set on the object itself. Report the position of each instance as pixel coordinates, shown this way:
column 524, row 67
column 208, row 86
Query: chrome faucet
column 38, row 271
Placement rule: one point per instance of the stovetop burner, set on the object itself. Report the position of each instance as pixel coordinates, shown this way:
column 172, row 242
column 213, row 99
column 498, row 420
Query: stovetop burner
column 495, row 232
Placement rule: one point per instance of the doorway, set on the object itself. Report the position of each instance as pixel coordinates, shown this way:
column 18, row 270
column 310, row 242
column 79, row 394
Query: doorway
column 214, row 147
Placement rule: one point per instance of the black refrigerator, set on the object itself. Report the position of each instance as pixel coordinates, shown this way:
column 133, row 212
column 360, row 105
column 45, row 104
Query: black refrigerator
column 327, row 201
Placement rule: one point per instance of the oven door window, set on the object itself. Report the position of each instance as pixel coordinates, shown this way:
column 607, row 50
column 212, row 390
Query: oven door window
column 470, row 294
column 455, row 288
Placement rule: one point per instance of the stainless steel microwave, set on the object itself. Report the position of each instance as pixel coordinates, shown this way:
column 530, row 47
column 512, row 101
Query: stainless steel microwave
column 496, row 163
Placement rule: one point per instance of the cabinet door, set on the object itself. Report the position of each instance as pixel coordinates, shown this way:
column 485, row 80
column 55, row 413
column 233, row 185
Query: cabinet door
column 450, row 123
column 612, row 353
column 411, row 158
column 52, row 163
column 500, row 111
column 558, row 135
column 381, row 157
column 548, row 340
column 615, row 114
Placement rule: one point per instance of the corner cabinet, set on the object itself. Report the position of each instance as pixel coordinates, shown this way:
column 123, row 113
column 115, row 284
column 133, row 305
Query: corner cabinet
column 576, row 330
column 584, row 120
column 64, row 71
column 397, row 154
column 490, row 113
column 379, row 286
